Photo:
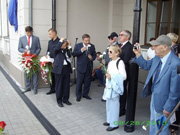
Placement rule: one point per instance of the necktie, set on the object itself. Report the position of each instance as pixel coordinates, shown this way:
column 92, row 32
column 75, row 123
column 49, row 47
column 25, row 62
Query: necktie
column 158, row 69
column 29, row 41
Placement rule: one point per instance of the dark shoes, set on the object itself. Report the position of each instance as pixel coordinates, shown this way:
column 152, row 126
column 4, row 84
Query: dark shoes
column 60, row 105
column 50, row 92
column 111, row 128
column 26, row 91
column 35, row 92
column 67, row 102
column 100, row 85
column 103, row 100
column 78, row 99
column 121, row 114
column 87, row 97
column 106, row 124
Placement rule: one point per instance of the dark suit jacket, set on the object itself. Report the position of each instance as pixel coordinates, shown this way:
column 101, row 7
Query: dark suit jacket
column 59, row 59
column 50, row 46
column 126, row 55
column 35, row 47
column 82, row 59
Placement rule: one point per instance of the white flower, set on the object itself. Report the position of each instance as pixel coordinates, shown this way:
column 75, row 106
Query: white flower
column 27, row 47
column 104, row 53
column 89, row 45
column 101, row 56
column 144, row 127
column 29, row 64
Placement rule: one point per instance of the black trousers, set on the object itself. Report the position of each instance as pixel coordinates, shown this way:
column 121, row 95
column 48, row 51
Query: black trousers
column 52, row 86
column 123, row 99
column 63, row 85
column 86, row 79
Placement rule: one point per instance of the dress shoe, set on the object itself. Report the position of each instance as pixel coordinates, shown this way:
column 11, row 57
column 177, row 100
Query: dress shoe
column 60, row 105
column 87, row 97
column 35, row 91
column 26, row 91
column 67, row 102
column 50, row 92
column 100, row 85
column 103, row 100
column 78, row 99
column 111, row 128
column 106, row 124
column 121, row 114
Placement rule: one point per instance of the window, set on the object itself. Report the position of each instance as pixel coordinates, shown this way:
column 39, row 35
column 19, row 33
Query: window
column 162, row 17
column 4, row 18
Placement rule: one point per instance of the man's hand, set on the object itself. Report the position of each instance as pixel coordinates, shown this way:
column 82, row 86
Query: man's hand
column 83, row 49
column 166, row 113
column 137, row 52
column 108, row 76
column 90, row 57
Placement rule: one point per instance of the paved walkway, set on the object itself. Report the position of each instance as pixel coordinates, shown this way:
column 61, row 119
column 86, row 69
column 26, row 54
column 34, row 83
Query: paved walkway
column 81, row 118
column 15, row 113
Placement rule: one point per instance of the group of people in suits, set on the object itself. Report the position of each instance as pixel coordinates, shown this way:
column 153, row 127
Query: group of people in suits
column 162, row 81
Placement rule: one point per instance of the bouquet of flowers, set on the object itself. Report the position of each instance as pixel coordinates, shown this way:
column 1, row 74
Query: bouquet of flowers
column 46, row 67
column 29, row 63
column 103, row 63
column 2, row 126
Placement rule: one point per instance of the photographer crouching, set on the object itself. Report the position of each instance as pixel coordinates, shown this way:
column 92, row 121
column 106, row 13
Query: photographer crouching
column 62, row 69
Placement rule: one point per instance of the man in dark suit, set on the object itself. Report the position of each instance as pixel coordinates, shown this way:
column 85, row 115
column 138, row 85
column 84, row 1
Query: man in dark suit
column 62, row 69
column 34, row 48
column 86, row 54
column 54, row 41
column 162, row 82
column 126, row 55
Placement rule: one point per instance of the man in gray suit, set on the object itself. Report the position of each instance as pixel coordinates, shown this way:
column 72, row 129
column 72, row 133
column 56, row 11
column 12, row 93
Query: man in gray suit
column 34, row 48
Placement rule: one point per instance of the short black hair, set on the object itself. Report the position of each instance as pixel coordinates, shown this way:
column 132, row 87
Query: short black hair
column 53, row 30
column 98, row 53
column 29, row 29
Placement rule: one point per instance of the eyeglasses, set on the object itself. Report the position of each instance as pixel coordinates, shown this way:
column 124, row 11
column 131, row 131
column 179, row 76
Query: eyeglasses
column 110, row 52
column 122, row 35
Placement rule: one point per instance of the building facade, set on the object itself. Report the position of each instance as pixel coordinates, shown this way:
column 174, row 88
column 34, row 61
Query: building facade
column 74, row 18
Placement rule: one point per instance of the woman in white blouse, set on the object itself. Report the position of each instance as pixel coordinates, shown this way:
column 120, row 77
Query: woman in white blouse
column 114, row 87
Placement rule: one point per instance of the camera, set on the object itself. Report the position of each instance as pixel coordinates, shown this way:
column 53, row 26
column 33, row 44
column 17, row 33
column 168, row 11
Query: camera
column 178, row 69
column 136, row 47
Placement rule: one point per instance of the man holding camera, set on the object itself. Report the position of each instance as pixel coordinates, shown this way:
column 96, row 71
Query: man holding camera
column 62, row 69
column 126, row 55
column 86, row 54
column 162, row 81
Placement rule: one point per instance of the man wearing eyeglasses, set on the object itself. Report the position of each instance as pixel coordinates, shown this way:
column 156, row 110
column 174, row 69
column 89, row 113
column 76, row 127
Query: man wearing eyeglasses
column 113, row 40
column 126, row 55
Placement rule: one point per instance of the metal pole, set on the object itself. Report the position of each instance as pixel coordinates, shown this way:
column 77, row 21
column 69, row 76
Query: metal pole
column 133, row 73
column 54, row 14
column 30, row 13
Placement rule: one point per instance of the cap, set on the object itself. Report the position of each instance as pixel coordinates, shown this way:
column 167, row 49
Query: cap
column 113, row 34
column 161, row 40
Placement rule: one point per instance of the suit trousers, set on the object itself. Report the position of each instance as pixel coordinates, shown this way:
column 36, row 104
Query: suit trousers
column 86, row 79
column 31, row 81
column 52, row 86
column 122, row 99
column 154, row 117
column 62, row 85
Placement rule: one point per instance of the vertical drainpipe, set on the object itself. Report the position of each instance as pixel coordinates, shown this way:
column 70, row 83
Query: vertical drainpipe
column 54, row 14
column 30, row 13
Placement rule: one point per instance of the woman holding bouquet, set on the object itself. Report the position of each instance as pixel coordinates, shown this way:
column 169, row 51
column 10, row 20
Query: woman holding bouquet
column 114, row 87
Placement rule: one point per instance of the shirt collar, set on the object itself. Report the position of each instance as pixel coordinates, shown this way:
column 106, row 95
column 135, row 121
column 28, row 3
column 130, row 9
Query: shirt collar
column 124, row 43
column 164, row 59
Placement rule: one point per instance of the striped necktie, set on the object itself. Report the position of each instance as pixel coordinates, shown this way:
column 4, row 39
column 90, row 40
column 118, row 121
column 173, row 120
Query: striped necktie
column 157, row 72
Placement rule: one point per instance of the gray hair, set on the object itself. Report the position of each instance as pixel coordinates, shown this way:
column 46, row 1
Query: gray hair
column 128, row 33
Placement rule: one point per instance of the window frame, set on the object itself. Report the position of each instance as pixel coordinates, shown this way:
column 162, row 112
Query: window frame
column 158, row 19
